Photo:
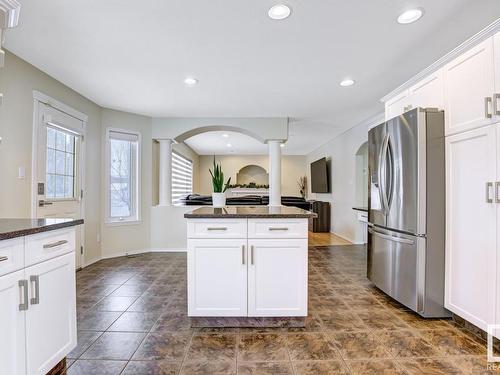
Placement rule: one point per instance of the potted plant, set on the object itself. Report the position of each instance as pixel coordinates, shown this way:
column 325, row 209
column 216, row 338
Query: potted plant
column 219, row 194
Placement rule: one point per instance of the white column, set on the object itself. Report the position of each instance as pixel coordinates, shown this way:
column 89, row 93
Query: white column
column 274, row 173
column 165, row 175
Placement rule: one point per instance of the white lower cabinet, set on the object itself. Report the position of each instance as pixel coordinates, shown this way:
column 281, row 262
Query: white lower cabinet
column 472, row 206
column 50, row 318
column 248, row 277
column 217, row 277
column 38, row 308
column 277, row 277
column 12, row 325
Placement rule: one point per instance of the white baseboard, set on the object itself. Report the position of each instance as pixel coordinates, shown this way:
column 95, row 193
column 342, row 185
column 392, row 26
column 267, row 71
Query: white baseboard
column 160, row 250
column 347, row 239
column 133, row 252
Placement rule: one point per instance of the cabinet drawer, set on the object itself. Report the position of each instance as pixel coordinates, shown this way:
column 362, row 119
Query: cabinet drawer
column 11, row 255
column 277, row 228
column 217, row 228
column 43, row 246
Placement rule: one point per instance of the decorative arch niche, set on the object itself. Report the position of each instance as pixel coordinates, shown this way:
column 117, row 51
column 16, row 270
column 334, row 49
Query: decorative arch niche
column 252, row 174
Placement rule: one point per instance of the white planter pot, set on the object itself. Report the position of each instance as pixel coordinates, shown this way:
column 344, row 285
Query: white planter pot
column 218, row 199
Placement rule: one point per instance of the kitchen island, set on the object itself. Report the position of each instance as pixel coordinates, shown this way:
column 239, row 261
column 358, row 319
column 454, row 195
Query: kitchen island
column 37, row 294
column 247, row 266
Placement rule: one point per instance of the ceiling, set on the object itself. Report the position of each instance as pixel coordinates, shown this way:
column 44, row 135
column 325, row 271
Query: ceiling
column 134, row 56
column 216, row 143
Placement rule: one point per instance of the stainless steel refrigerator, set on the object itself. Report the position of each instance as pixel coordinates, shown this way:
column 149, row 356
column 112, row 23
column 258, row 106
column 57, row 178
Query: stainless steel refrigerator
column 406, row 210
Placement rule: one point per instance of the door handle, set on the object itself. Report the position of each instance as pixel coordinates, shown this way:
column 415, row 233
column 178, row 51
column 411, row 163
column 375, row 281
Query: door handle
column 391, row 238
column 55, row 244
column 383, row 181
column 489, row 185
column 251, row 255
column 243, row 254
column 3, row 258
column 276, row 228
column 36, row 299
column 43, row 203
column 496, row 107
column 487, row 102
column 216, row 228
column 23, row 286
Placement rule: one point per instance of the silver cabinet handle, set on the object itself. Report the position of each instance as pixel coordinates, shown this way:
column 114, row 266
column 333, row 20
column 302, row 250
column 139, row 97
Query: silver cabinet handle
column 216, row 228
column 497, row 195
column 3, row 258
column 496, row 108
column 489, row 185
column 36, row 299
column 23, row 285
column 487, row 102
column 251, row 255
column 55, row 244
column 42, row 203
column 278, row 228
column 243, row 254
column 391, row 238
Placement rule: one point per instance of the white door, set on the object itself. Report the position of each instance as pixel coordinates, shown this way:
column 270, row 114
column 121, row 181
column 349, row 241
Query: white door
column 60, row 169
column 51, row 317
column 469, row 87
column 277, row 277
column 471, row 171
column 396, row 105
column 429, row 92
column 12, row 325
column 217, row 277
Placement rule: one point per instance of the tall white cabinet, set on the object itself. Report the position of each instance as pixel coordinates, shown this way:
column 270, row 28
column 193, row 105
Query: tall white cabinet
column 37, row 301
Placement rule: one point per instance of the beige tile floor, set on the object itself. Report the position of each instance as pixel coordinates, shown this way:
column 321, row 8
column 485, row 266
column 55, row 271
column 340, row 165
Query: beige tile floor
column 132, row 320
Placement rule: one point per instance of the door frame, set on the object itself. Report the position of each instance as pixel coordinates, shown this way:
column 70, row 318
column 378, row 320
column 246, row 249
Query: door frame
column 41, row 98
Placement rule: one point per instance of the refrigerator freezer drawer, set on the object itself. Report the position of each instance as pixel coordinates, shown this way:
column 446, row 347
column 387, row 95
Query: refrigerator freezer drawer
column 396, row 265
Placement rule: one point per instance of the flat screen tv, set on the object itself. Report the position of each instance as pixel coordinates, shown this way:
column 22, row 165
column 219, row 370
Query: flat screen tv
column 319, row 176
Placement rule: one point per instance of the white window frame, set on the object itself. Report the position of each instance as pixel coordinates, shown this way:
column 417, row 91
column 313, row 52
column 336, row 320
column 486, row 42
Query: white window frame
column 136, row 218
column 178, row 154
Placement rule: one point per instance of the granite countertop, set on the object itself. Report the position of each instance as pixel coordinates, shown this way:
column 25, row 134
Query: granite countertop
column 251, row 212
column 365, row 209
column 12, row 228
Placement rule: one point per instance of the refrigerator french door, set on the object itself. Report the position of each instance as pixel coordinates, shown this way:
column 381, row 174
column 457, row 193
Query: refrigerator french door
column 406, row 210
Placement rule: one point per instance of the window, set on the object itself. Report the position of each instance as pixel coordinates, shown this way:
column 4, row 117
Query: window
column 60, row 167
column 123, row 176
column 182, row 177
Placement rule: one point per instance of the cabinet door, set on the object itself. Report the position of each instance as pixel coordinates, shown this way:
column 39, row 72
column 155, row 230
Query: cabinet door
column 471, row 225
column 217, row 277
column 469, row 85
column 51, row 317
column 277, row 277
column 396, row 105
column 429, row 92
column 496, row 98
column 12, row 325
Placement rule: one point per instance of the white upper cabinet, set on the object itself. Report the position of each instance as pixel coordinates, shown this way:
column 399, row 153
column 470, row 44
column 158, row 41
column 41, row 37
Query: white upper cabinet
column 469, row 88
column 396, row 105
column 429, row 92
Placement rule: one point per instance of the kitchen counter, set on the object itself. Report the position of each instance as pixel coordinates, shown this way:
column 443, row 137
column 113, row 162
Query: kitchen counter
column 13, row 228
column 249, row 212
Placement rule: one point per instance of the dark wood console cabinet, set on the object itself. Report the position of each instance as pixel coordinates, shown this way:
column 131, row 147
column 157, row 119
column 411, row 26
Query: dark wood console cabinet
column 322, row 222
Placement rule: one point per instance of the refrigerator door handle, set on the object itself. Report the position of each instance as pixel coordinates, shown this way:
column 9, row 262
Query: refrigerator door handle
column 390, row 238
column 390, row 184
column 382, row 173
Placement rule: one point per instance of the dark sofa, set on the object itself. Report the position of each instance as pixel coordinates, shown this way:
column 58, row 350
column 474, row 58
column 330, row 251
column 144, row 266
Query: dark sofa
column 247, row 200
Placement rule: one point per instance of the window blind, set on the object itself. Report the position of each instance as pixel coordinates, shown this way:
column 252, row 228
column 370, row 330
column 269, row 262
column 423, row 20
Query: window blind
column 182, row 177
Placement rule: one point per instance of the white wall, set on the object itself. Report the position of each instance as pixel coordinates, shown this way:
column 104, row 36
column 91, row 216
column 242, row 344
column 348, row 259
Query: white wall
column 18, row 79
column 342, row 153
column 120, row 239
column 292, row 167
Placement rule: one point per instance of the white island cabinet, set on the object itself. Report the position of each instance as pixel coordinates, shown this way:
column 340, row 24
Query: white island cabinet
column 247, row 262
column 37, row 294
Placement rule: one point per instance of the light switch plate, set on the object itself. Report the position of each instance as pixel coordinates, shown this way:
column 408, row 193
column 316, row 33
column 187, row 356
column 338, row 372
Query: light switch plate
column 21, row 173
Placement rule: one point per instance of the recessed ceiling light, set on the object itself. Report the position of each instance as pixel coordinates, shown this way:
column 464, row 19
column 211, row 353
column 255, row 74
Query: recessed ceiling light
column 225, row 135
column 282, row 145
column 347, row 82
column 190, row 81
column 410, row 16
column 279, row 12
column 229, row 145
